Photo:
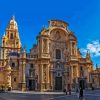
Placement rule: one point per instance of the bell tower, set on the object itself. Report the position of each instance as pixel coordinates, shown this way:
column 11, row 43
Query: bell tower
column 10, row 40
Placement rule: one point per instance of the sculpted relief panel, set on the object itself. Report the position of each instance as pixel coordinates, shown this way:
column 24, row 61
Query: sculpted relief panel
column 58, row 40
column 58, row 35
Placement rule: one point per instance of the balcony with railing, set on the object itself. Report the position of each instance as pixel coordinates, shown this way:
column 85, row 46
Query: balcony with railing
column 32, row 57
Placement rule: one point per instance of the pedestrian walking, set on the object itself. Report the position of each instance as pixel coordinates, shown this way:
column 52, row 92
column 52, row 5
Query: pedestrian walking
column 69, row 89
column 81, row 94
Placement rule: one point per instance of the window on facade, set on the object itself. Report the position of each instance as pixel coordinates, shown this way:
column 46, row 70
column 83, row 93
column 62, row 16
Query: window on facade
column 16, row 43
column 11, row 36
column 58, row 54
column 58, row 74
column 73, row 44
column 3, row 42
column 31, row 65
column 13, row 64
column 11, row 26
column 8, row 34
column 31, row 72
column 92, row 80
column 14, row 79
column 81, row 68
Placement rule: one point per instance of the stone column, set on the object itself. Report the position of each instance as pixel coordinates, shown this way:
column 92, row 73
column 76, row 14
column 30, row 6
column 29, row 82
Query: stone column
column 41, row 77
column 41, row 45
column 71, row 47
column 47, row 46
column 8, row 76
column 71, row 75
column 23, row 77
column 48, row 79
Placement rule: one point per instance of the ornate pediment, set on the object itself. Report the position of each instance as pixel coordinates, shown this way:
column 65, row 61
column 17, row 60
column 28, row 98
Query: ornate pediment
column 58, row 23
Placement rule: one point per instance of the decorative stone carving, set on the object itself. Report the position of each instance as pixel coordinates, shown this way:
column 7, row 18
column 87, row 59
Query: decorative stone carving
column 57, row 35
column 74, row 71
column 58, row 23
column 44, row 73
column 45, row 46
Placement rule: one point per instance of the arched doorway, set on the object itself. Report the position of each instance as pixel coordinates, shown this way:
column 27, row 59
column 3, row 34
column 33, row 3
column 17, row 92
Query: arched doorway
column 31, row 84
column 58, row 83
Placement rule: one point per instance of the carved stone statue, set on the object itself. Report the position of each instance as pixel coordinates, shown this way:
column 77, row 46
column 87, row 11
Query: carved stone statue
column 45, row 46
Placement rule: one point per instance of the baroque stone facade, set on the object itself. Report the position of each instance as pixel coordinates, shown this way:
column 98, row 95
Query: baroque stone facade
column 54, row 63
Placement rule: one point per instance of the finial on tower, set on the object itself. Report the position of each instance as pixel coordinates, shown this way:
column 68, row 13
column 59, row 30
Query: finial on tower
column 24, row 48
column 88, row 55
column 13, row 17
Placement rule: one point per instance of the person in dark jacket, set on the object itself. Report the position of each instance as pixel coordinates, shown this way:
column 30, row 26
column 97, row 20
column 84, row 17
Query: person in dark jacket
column 81, row 94
column 69, row 89
column 65, row 91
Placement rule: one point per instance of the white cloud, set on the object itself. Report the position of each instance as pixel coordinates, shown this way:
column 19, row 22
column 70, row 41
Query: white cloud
column 93, row 48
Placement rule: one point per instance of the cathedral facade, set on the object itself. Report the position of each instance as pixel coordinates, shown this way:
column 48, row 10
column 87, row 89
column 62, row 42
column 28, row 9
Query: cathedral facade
column 53, row 64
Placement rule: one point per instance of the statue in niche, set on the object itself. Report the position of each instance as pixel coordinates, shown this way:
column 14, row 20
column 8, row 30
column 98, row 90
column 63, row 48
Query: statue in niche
column 44, row 45
column 57, row 35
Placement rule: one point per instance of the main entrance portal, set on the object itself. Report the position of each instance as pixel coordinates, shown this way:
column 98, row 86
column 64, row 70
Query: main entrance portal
column 58, row 83
column 31, row 84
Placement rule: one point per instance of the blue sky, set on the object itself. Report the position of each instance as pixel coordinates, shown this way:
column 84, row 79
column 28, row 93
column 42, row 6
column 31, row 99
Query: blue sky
column 83, row 17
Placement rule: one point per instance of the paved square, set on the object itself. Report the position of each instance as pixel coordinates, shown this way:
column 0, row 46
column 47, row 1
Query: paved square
column 88, row 95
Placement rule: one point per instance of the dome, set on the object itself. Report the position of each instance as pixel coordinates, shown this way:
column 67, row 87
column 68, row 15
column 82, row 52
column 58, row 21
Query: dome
column 13, row 23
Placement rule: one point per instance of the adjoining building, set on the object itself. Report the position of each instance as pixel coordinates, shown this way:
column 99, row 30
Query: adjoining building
column 95, row 75
column 53, row 64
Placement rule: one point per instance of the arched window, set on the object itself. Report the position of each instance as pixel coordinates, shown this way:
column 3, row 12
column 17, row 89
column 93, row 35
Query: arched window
column 81, row 68
column 58, row 54
column 15, row 79
column 11, row 36
column 31, row 65
column 3, row 42
column 13, row 64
